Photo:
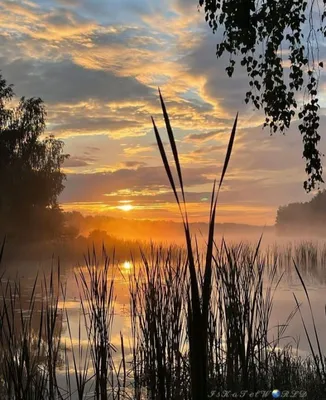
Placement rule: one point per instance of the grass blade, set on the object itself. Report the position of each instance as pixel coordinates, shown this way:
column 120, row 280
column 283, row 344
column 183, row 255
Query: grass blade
column 173, row 145
column 2, row 248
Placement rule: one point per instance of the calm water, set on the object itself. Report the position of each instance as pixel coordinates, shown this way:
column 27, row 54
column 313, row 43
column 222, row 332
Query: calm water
column 283, row 302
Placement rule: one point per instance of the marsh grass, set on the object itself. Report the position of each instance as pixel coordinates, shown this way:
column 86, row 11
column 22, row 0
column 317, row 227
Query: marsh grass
column 40, row 356
column 309, row 257
column 243, row 351
column 159, row 326
column 36, row 338
column 29, row 341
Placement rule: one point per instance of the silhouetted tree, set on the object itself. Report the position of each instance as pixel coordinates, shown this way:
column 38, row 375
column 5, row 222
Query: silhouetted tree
column 260, row 35
column 300, row 218
column 31, row 178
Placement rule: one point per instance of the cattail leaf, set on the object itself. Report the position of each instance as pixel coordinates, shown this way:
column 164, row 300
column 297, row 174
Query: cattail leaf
column 173, row 145
column 210, row 242
column 165, row 161
column 321, row 357
column 229, row 150
column 2, row 248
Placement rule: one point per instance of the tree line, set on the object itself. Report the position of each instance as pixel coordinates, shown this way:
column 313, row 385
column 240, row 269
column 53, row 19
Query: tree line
column 303, row 218
column 31, row 176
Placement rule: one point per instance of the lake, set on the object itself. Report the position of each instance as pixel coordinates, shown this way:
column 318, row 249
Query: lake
column 74, row 307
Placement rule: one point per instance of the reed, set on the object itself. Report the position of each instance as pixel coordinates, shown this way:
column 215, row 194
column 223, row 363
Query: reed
column 159, row 326
column 244, row 351
column 96, row 287
column 241, row 353
column 200, row 292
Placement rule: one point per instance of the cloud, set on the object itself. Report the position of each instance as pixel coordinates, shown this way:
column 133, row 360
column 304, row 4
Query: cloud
column 138, row 149
column 91, row 149
column 209, row 149
column 186, row 5
column 70, row 3
column 202, row 137
column 80, row 100
column 109, row 59
column 64, row 81
column 113, row 127
column 98, row 184
column 226, row 93
column 41, row 24
column 79, row 161
column 132, row 164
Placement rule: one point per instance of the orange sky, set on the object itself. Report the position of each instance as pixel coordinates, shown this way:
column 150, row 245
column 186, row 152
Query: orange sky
column 97, row 65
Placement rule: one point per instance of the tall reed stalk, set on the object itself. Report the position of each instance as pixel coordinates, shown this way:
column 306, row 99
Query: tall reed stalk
column 98, row 305
column 199, row 294
column 157, row 307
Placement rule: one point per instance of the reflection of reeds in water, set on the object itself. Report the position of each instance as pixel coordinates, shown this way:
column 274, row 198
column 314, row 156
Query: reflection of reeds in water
column 309, row 257
column 30, row 341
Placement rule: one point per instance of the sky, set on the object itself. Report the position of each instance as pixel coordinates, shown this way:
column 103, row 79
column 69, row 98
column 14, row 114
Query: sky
column 97, row 65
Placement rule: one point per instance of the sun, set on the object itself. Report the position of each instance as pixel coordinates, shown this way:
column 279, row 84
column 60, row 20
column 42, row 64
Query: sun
column 126, row 207
column 127, row 265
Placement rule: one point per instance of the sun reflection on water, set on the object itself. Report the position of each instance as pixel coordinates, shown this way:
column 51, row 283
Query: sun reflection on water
column 127, row 266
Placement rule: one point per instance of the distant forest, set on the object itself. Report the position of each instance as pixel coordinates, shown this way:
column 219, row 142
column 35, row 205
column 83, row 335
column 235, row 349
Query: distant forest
column 79, row 224
column 303, row 218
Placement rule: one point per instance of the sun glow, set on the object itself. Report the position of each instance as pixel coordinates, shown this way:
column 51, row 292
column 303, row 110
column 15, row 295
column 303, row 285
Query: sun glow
column 127, row 265
column 126, row 207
